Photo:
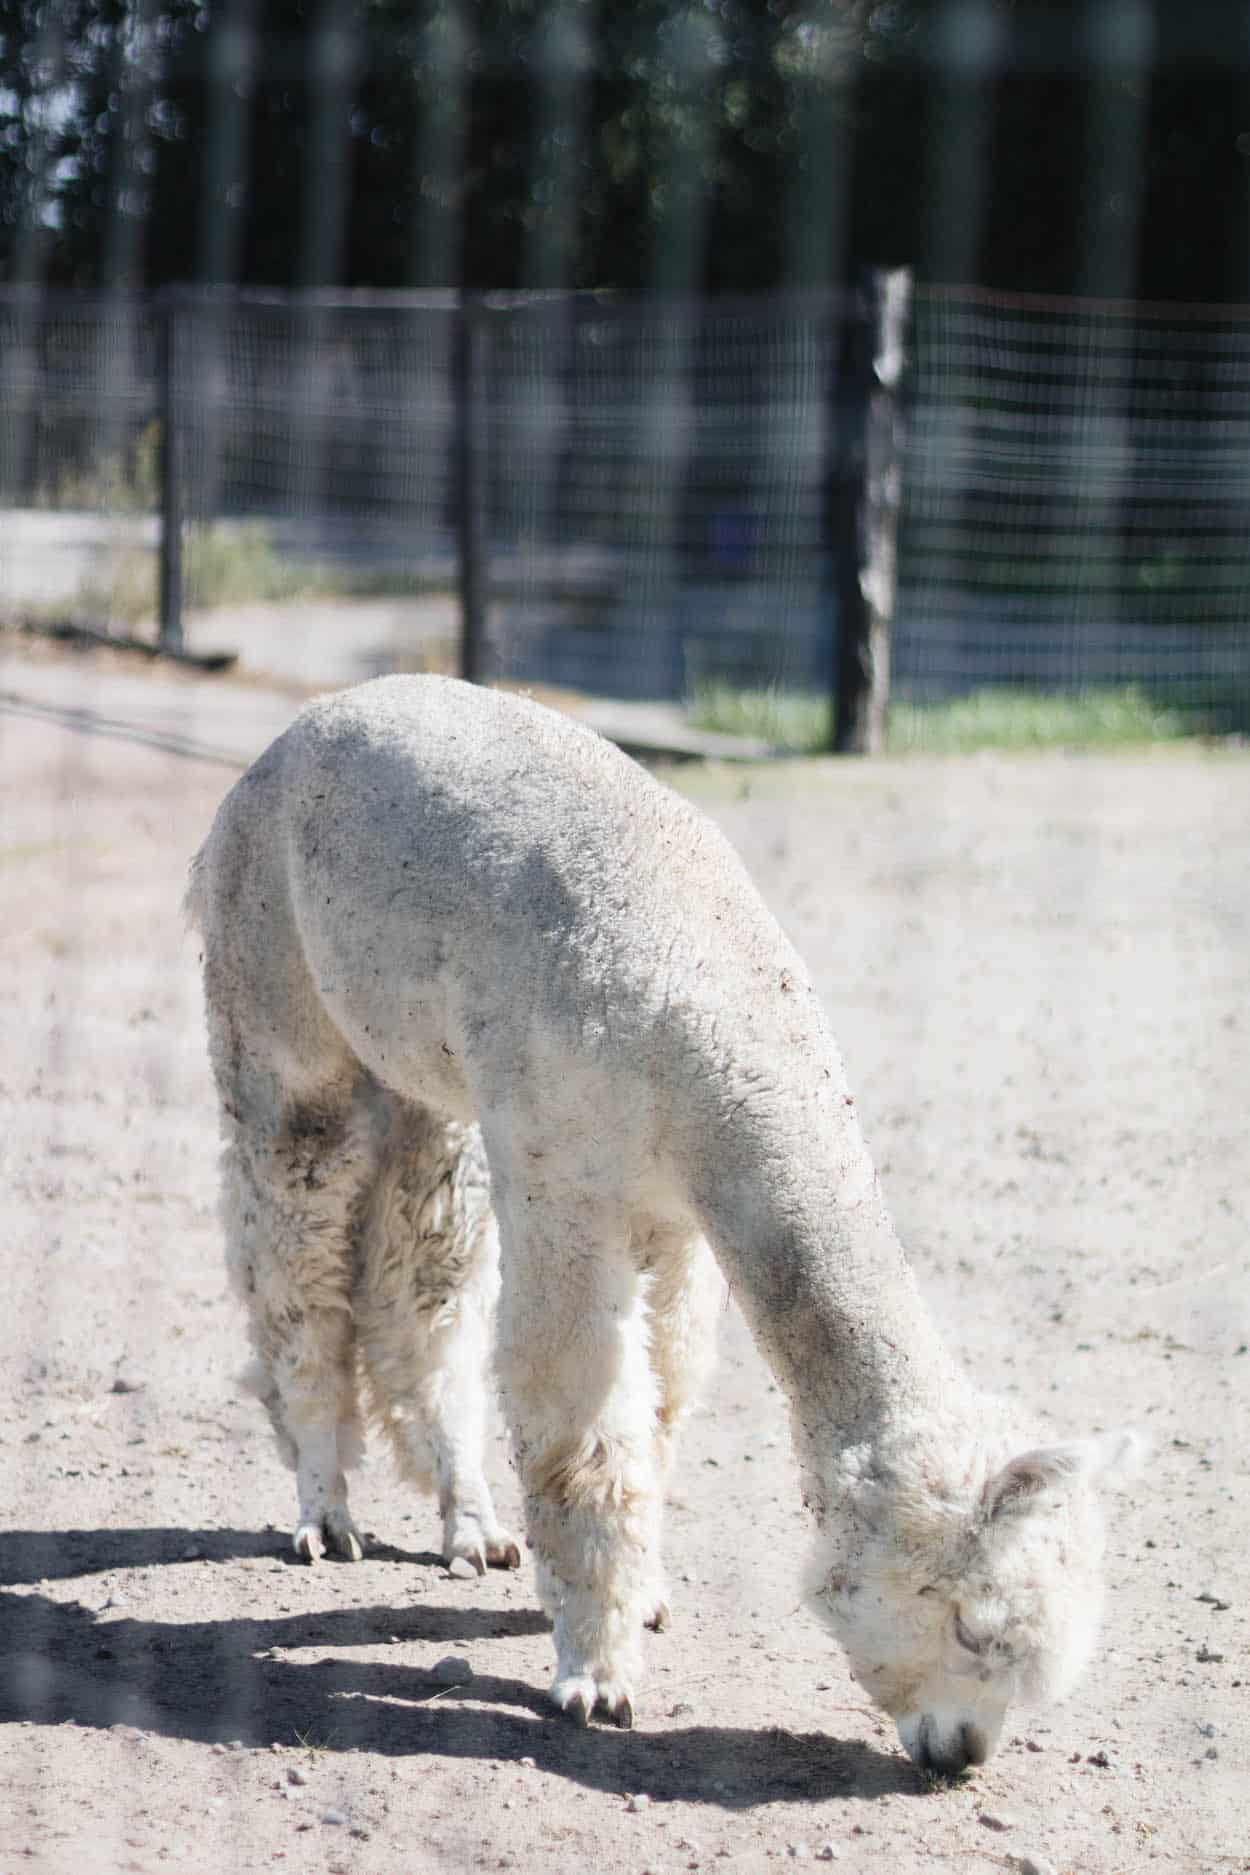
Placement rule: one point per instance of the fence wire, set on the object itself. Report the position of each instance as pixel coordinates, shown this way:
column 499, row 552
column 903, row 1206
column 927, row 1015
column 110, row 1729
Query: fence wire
column 656, row 481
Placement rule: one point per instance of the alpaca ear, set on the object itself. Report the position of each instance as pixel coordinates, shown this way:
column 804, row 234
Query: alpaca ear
column 1023, row 1479
column 1115, row 1456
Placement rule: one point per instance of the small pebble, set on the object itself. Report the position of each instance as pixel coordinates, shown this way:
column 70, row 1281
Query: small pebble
column 451, row 1670
column 1213, row 1600
column 294, row 1775
column 333, row 1817
column 993, row 1820
column 191, row 1553
column 526, row 1763
column 828, row 1852
column 1205, row 1654
column 122, row 1384
column 462, row 1569
column 680, row 1710
column 801, row 1851
column 639, row 1801
column 1030, row 1862
column 1099, row 1758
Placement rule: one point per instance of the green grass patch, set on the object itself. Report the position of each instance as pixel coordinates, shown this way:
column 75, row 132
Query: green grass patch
column 221, row 566
column 1037, row 719
column 791, row 720
column 1000, row 718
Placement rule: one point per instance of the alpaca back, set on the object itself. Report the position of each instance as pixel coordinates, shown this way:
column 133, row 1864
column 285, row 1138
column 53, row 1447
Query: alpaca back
column 482, row 895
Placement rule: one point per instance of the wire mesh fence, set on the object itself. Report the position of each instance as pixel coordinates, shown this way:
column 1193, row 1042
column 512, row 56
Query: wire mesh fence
column 657, row 480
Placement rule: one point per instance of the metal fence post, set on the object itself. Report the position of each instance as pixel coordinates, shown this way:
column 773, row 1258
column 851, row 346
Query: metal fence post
column 469, row 377
column 866, row 490
column 171, row 573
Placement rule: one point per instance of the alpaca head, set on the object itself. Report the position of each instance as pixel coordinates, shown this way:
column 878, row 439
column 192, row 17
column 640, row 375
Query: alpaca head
column 960, row 1583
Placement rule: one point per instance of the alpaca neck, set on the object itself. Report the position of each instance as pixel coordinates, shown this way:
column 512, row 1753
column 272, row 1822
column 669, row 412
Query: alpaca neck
column 798, row 1223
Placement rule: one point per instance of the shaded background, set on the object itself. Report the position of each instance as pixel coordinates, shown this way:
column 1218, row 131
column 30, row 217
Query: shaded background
column 668, row 209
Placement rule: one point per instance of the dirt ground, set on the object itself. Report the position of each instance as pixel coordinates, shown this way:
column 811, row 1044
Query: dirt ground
column 1039, row 970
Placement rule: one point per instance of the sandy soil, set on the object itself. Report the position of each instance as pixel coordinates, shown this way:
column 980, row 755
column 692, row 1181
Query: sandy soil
column 1039, row 969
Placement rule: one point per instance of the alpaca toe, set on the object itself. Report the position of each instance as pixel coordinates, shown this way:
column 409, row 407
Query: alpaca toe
column 575, row 1696
column 616, row 1704
column 580, row 1697
column 309, row 1541
column 470, row 1539
column 464, row 1543
column 503, row 1551
column 315, row 1537
column 343, row 1537
column 659, row 1617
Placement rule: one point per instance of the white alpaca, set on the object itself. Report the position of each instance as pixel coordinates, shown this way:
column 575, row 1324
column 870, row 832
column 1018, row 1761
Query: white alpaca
column 428, row 906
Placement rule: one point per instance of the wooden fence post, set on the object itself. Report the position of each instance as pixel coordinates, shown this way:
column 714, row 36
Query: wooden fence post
column 469, row 377
column 865, row 497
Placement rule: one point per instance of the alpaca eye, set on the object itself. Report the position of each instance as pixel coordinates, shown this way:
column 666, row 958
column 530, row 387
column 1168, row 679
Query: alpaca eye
column 965, row 1639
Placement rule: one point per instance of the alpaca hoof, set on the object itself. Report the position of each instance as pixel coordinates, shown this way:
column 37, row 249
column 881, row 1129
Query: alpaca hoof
column 576, row 1699
column 580, row 1698
column 464, row 1540
column 617, row 1706
column 309, row 1542
column 335, row 1531
column 343, row 1537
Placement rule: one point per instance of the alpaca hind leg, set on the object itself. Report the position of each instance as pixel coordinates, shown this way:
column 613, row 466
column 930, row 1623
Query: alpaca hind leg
column 425, row 1309
column 580, row 1398
column 686, row 1292
column 289, row 1201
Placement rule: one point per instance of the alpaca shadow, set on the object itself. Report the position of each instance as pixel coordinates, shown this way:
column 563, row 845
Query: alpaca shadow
column 221, row 1680
column 60, row 1555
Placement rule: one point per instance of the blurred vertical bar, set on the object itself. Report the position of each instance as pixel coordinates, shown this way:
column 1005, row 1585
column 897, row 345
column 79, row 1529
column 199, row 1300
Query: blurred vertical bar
column 973, row 51
column 319, row 378
column 1118, row 45
column 212, row 389
column 691, row 52
column 534, row 392
column 469, row 377
column 167, row 318
column 1111, row 441
column 22, row 368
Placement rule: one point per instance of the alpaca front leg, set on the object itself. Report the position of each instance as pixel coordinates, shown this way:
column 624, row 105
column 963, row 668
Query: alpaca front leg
column 580, row 1397
column 324, row 1519
column 685, row 1294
